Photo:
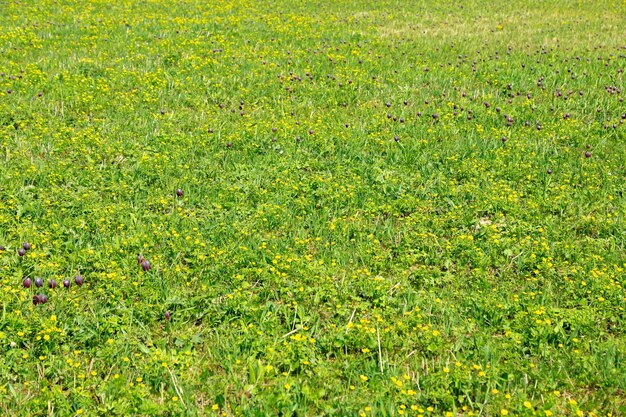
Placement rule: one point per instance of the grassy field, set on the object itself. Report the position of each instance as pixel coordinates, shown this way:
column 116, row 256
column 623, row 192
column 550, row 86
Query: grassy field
column 298, row 208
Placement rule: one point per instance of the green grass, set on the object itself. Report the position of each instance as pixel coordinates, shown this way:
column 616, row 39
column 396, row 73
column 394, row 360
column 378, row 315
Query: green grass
column 316, row 266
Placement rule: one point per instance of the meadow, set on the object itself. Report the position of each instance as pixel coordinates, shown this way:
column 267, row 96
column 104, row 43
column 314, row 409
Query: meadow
column 346, row 208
